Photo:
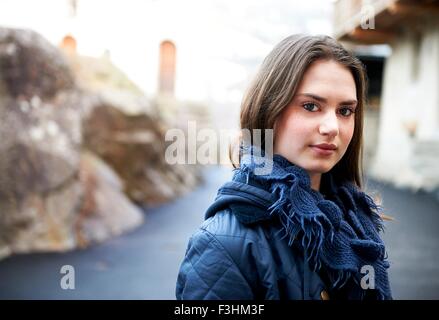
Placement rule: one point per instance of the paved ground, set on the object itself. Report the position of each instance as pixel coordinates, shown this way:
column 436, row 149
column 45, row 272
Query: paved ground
column 412, row 243
column 144, row 263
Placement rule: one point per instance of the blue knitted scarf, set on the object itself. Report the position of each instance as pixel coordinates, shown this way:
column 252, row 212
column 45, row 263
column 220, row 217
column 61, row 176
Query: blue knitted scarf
column 338, row 231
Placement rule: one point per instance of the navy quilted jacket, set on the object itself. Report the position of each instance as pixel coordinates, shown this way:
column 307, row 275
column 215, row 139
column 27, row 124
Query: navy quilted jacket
column 236, row 254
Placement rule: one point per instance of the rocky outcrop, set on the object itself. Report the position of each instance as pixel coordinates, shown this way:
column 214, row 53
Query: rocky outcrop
column 133, row 145
column 40, row 138
column 127, row 131
column 31, row 66
column 63, row 185
column 105, row 210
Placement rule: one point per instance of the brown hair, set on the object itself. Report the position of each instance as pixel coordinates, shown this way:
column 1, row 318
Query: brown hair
column 277, row 80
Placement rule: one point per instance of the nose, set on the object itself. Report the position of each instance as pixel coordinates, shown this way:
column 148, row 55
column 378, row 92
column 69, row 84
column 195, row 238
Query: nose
column 329, row 125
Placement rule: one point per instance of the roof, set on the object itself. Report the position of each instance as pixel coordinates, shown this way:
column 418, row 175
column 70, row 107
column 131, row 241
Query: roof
column 380, row 21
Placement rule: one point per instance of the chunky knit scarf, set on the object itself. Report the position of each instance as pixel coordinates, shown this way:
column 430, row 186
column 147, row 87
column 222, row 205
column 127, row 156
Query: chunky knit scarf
column 338, row 231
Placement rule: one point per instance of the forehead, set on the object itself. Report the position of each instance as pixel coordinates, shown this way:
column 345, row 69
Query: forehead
column 328, row 79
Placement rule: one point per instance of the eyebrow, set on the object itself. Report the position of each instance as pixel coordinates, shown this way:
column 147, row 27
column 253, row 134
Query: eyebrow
column 321, row 99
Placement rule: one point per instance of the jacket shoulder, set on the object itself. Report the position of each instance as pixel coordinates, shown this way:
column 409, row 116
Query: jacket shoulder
column 226, row 227
column 209, row 272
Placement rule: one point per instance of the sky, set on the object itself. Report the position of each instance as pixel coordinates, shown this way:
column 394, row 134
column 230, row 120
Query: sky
column 220, row 43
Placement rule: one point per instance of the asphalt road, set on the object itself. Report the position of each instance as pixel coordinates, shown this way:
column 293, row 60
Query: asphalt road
column 144, row 263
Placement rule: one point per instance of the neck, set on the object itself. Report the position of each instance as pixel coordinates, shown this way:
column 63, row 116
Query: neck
column 315, row 180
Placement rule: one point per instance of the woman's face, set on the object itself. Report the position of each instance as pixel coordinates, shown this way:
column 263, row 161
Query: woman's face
column 315, row 130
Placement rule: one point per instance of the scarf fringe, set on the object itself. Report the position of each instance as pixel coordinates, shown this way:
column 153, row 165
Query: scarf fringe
column 368, row 204
column 297, row 223
column 311, row 221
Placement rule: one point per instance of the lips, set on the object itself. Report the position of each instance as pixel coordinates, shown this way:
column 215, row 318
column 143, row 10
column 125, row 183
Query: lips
column 325, row 146
column 324, row 149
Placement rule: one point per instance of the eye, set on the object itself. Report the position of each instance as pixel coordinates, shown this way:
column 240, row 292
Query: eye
column 310, row 106
column 346, row 111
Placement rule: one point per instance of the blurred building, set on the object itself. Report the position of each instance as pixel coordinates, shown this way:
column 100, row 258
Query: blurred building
column 407, row 137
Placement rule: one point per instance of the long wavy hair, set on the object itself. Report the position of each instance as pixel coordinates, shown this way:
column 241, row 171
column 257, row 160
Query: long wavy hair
column 276, row 83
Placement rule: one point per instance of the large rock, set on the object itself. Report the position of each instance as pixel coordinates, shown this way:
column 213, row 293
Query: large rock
column 105, row 210
column 40, row 137
column 54, row 195
column 126, row 130
column 134, row 146
column 31, row 66
column 44, row 181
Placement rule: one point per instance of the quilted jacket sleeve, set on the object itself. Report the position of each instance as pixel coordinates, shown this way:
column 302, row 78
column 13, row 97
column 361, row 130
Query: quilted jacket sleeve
column 209, row 273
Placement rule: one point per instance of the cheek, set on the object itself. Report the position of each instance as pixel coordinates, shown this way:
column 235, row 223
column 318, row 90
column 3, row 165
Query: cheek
column 294, row 132
column 302, row 131
column 347, row 133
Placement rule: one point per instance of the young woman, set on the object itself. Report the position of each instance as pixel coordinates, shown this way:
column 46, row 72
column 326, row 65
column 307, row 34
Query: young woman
column 305, row 229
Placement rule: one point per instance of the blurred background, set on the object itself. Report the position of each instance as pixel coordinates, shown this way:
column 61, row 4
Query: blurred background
column 89, row 88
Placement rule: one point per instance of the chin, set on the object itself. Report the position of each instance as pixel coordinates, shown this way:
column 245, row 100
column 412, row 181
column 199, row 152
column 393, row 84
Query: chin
column 320, row 168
